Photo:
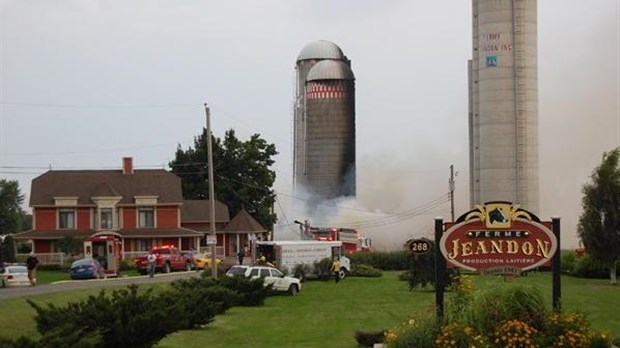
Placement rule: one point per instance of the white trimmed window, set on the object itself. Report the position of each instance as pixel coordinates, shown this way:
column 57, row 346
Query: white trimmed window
column 107, row 218
column 146, row 217
column 66, row 219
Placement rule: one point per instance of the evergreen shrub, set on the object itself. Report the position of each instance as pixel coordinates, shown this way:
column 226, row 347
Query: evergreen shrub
column 125, row 319
column 386, row 261
column 362, row 270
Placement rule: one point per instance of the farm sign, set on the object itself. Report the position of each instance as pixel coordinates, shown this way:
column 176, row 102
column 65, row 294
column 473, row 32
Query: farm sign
column 498, row 237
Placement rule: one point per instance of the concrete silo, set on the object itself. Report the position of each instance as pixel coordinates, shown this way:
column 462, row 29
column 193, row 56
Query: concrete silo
column 324, row 122
column 503, row 103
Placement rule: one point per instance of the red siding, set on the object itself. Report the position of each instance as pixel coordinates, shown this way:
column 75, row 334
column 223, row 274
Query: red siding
column 129, row 218
column 43, row 246
column 45, row 219
column 83, row 218
column 167, row 217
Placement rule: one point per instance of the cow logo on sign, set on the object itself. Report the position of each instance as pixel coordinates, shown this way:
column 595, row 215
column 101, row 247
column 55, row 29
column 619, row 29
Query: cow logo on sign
column 497, row 215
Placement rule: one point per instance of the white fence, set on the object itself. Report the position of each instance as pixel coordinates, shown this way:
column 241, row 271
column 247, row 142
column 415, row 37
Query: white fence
column 46, row 258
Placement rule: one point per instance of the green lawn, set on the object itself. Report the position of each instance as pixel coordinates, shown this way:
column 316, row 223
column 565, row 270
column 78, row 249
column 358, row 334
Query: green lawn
column 47, row 277
column 327, row 314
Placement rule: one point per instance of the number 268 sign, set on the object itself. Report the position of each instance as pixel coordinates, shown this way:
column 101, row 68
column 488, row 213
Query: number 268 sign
column 420, row 246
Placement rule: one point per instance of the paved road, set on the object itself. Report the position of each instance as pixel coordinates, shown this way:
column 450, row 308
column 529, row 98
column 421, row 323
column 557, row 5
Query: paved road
column 7, row 293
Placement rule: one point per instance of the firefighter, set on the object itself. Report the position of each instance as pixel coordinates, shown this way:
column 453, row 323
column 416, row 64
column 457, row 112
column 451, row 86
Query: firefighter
column 336, row 269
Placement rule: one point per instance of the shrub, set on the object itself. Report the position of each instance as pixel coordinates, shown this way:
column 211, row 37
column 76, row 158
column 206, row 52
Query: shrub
column 587, row 267
column 419, row 332
column 365, row 271
column 369, row 339
column 386, row 261
column 501, row 304
column 126, row 265
column 460, row 299
column 322, row 268
column 301, row 271
column 457, row 336
column 422, row 271
column 205, row 293
column 125, row 319
column 251, row 291
column 516, row 334
column 566, row 329
column 569, row 260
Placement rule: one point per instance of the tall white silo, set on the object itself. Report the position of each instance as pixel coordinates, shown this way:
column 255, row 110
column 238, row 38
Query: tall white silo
column 503, row 96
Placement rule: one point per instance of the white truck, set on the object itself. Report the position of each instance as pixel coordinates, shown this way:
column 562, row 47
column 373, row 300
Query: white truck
column 287, row 255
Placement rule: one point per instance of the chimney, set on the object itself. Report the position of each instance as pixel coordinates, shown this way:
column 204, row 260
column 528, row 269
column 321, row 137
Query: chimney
column 127, row 165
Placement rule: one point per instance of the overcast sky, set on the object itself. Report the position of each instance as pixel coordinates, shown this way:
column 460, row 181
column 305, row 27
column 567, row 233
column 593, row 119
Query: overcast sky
column 84, row 83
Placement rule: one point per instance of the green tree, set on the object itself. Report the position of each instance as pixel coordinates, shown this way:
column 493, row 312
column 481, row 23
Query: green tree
column 599, row 223
column 241, row 170
column 11, row 213
column 70, row 245
column 7, row 249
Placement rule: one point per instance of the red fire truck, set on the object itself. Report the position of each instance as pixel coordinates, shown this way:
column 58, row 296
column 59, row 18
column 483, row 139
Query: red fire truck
column 352, row 240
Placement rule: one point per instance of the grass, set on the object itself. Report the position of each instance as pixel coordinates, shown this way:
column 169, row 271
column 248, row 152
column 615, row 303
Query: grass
column 48, row 277
column 328, row 314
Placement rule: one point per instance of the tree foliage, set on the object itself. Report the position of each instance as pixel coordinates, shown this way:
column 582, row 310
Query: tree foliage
column 7, row 249
column 70, row 245
column 599, row 223
column 11, row 213
column 241, row 170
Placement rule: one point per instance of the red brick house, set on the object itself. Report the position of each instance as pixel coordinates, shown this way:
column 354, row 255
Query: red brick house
column 141, row 208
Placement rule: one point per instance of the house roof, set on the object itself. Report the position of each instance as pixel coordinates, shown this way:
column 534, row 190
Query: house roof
column 85, row 184
column 200, row 211
column 243, row 222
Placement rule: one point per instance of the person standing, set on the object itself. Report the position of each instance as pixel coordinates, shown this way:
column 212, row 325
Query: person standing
column 32, row 263
column 240, row 255
column 151, row 258
column 336, row 269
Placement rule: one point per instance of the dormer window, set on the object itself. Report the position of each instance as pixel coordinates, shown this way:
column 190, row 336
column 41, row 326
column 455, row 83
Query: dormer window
column 146, row 217
column 66, row 219
column 107, row 218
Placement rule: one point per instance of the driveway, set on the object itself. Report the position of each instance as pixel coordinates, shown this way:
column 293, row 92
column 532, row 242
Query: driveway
column 7, row 293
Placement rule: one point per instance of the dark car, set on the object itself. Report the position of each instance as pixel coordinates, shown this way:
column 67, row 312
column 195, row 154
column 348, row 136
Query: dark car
column 87, row 268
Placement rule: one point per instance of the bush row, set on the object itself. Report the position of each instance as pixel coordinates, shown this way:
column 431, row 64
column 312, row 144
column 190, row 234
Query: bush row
column 386, row 261
column 133, row 318
column 583, row 266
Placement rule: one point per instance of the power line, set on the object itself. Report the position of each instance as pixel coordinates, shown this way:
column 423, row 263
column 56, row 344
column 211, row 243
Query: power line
column 98, row 106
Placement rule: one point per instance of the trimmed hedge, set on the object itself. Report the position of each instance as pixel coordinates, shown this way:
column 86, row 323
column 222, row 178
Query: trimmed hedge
column 386, row 261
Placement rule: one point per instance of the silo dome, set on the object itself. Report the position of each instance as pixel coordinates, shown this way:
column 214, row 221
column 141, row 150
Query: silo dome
column 330, row 70
column 320, row 50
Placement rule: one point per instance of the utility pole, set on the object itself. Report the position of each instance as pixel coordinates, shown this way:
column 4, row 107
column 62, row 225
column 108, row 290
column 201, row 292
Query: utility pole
column 451, row 185
column 211, row 192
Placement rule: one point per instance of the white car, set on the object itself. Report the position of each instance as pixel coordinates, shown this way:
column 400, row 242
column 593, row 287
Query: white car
column 273, row 276
column 14, row 276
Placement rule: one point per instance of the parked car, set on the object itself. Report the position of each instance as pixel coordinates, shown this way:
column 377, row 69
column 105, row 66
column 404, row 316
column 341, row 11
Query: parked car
column 275, row 278
column 14, row 276
column 237, row 271
column 88, row 268
column 205, row 261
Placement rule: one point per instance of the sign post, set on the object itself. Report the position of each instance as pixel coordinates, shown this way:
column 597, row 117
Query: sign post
column 556, row 266
column 440, row 271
